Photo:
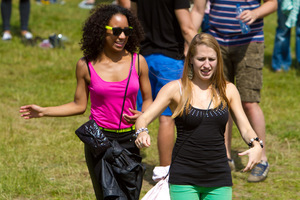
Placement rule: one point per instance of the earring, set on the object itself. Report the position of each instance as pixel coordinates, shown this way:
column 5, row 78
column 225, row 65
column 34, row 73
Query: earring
column 190, row 71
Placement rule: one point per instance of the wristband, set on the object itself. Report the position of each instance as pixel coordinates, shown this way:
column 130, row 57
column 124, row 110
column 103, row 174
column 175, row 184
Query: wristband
column 141, row 130
column 250, row 144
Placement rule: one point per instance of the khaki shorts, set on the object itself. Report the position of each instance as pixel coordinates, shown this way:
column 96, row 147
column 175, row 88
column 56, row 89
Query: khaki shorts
column 243, row 66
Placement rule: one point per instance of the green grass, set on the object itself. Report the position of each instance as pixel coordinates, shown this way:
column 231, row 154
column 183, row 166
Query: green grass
column 43, row 158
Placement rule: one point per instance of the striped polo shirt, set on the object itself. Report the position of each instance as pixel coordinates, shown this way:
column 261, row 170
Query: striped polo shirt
column 225, row 27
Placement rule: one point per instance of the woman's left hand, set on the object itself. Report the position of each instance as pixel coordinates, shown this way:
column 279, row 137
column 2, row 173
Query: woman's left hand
column 254, row 157
column 131, row 119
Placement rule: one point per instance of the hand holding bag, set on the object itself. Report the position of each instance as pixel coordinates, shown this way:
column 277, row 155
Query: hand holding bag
column 160, row 191
column 160, row 172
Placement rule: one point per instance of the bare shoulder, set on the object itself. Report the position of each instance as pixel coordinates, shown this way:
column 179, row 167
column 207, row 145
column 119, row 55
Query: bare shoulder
column 231, row 91
column 141, row 58
column 141, row 61
column 173, row 89
column 82, row 68
column 230, row 86
column 141, row 66
column 174, row 85
column 174, row 92
column 81, row 63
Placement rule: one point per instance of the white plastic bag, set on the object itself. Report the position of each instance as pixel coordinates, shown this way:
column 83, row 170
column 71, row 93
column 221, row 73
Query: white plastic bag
column 161, row 189
column 159, row 192
column 160, row 172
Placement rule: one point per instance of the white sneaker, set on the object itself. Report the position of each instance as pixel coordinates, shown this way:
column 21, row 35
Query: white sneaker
column 86, row 5
column 6, row 36
column 28, row 35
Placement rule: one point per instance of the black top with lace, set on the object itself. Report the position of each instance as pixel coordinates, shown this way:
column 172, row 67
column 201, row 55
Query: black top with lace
column 202, row 159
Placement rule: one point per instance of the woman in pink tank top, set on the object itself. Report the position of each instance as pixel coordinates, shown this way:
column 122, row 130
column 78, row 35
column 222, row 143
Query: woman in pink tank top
column 111, row 36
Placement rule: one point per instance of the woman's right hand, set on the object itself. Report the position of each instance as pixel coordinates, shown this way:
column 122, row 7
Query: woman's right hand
column 143, row 140
column 31, row 111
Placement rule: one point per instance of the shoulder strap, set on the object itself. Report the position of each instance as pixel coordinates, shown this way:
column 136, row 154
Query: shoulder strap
column 87, row 64
column 187, row 139
column 138, row 55
column 180, row 89
column 126, row 91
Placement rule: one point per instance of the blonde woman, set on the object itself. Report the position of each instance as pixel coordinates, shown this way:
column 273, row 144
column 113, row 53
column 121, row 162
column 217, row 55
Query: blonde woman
column 201, row 101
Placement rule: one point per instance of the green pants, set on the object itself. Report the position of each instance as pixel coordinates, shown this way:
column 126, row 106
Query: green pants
column 192, row 192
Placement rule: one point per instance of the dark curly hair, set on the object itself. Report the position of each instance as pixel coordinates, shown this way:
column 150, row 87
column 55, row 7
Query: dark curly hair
column 93, row 37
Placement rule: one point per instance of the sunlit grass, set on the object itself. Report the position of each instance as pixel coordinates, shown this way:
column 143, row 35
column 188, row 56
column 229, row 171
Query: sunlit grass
column 44, row 159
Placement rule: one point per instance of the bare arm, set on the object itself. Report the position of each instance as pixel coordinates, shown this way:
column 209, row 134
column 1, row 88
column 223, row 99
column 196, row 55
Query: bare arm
column 145, row 85
column 187, row 27
column 268, row 7
column 78, row 106
column 133, row 8
column 245, row 129
column 184, row 19
column 168, row 96
column 124, row 3
column 198, row 12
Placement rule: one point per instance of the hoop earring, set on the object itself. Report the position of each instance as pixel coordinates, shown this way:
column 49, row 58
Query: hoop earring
column 190, row 71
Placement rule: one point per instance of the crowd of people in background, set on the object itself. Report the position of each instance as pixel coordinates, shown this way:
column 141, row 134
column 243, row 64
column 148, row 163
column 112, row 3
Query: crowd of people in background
column 199, row 82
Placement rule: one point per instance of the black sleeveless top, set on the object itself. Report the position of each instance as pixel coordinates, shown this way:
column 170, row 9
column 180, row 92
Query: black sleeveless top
column 202, row 159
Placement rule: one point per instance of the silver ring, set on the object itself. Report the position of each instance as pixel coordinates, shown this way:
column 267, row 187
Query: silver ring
column 141, row 143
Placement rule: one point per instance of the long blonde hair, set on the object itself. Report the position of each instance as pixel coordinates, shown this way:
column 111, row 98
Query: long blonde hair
column 218, row 81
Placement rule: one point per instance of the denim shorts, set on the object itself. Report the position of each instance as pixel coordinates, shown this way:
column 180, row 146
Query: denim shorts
column 162, row 70
column 243, row 66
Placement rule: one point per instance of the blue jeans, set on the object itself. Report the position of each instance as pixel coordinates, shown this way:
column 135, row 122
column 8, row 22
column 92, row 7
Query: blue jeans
column 162, row 70
column 281, row 58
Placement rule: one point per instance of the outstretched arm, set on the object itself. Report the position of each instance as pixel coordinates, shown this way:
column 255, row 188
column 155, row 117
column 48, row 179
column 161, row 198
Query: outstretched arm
column 78, row 106
column 168, row 96
column 246, row 131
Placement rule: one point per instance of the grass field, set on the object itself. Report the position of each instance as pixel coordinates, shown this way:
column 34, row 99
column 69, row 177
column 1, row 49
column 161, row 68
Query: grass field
column 43, row 158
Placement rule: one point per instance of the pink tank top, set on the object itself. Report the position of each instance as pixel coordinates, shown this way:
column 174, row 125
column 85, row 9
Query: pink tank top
column 107, row 98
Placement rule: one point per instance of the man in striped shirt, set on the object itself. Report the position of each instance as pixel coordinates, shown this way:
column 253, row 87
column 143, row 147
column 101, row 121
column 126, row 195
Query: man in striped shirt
column 243, row 56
